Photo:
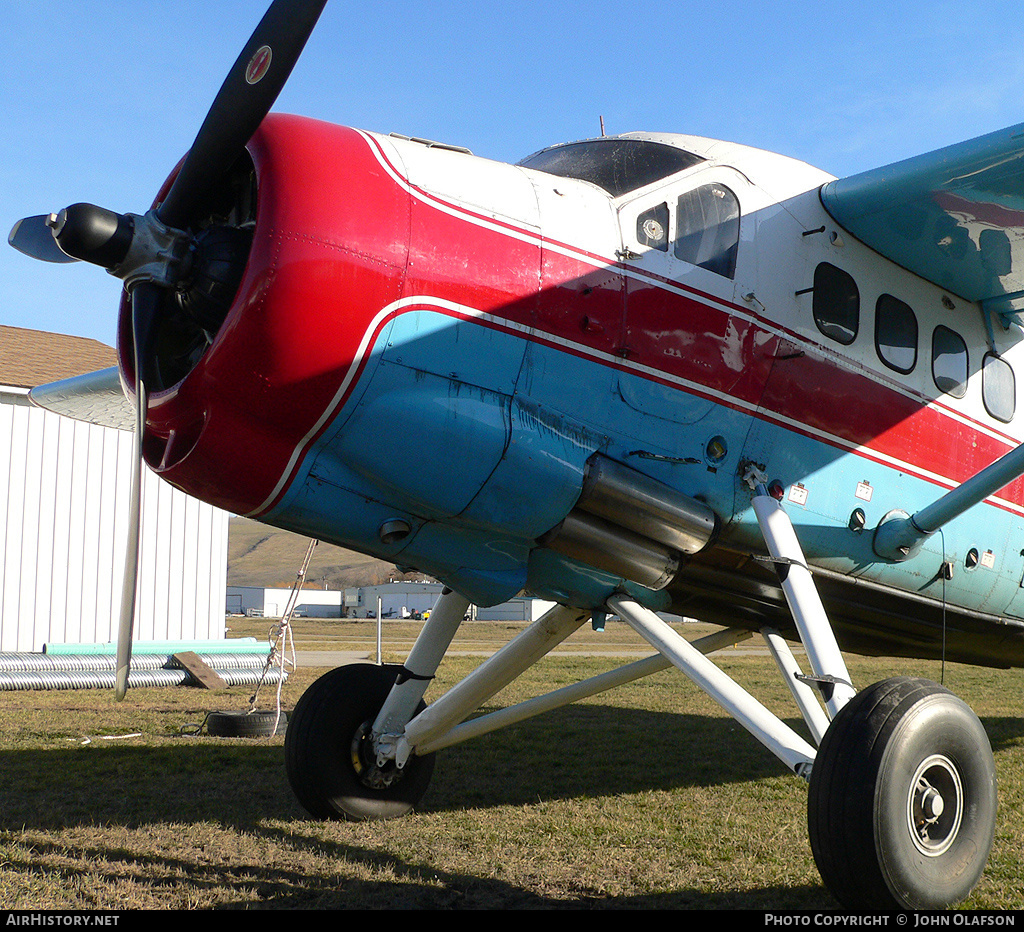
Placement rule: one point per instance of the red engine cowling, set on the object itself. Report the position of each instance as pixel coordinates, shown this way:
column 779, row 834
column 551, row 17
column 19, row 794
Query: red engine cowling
column 330, row 243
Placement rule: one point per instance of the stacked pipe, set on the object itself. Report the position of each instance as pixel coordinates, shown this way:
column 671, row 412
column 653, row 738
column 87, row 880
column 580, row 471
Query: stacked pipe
column 20, row 671
column 631, row 525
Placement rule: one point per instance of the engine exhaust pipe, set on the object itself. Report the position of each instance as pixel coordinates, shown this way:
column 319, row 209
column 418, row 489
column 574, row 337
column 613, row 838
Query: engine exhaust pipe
column 646, row 506
column 631, row 525
column 615, row 550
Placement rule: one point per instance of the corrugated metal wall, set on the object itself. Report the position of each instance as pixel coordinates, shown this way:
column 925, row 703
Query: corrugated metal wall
column 64, row 502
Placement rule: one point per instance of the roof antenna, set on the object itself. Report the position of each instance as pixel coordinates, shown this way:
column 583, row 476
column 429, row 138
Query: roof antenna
column 602, row 125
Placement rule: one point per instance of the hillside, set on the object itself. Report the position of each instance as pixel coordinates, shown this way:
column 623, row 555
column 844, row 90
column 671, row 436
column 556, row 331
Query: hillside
column 259, row 555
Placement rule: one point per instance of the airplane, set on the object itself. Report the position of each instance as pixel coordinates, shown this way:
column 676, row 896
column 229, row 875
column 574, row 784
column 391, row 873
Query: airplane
column 644, row 374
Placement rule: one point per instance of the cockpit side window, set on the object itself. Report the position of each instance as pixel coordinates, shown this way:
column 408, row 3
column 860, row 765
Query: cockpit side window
column 617, row 164
column 708, row 229
column 652, row 227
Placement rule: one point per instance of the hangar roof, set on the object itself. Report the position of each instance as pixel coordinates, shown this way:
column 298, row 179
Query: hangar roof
column 34, row 357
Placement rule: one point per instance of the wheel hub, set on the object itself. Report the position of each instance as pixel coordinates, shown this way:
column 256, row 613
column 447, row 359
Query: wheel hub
column 935, row 805
column 364, row 761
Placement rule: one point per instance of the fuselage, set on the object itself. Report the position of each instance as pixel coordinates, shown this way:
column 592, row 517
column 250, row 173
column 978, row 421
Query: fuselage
column 429, row 349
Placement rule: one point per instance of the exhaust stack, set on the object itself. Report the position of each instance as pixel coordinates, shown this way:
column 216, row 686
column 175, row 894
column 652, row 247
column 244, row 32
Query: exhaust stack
column 631, row 525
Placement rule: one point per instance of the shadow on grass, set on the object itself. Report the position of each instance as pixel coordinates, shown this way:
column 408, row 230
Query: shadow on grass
column 579, row 751
column 584, row 751
column 410, row 886
column 241, row 785
column 587, row 750
column 1004, row 732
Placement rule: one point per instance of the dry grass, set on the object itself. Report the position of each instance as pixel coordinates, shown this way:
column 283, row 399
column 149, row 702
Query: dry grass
column 647, row 797
column 260, row 555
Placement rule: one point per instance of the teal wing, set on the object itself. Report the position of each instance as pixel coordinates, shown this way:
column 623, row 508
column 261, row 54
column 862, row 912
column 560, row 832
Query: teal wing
column 955, row 217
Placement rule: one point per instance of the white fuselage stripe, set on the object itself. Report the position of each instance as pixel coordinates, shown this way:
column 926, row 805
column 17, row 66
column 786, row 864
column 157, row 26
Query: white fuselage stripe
column 451, row 308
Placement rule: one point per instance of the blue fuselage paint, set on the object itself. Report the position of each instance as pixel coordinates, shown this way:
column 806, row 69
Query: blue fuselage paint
column 481, row 470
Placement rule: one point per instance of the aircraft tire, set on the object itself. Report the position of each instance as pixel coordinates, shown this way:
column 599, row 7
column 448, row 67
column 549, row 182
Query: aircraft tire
column 902, row 753
column 331, row 768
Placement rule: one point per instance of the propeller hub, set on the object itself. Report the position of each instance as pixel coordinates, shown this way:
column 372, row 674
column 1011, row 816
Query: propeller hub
column 132, row 247
column 93, row 234
column 156, row 254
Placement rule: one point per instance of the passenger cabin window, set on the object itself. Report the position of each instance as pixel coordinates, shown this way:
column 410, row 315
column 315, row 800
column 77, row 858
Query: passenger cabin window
column 998, row 387
column 896, row 334
column 836, row 304
column 617, row 164
column 949, row 362
column 708, row 229
column 652, row 228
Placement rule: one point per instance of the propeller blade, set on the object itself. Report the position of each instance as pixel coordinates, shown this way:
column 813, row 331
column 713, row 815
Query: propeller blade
column 138, row 249
column 145, row 298
column 245, row 98
column 131, row 562
column 34, row 237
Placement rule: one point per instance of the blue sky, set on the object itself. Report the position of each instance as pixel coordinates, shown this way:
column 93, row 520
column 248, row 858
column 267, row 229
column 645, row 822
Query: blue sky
column 100, row 99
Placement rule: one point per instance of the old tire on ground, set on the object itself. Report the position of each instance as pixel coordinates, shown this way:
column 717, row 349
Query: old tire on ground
column 245, row 724
column 329, row 757
column 902, row 801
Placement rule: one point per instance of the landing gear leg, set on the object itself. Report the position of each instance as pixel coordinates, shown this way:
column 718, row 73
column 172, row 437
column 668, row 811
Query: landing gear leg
column 823, row 654
column 329, row 751
column 339, row 747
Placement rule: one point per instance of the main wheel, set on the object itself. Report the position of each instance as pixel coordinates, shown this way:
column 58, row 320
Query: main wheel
column 902, row 802
column 330, row 758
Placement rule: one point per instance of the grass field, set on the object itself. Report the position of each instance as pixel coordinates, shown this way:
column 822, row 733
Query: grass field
column 647, row 797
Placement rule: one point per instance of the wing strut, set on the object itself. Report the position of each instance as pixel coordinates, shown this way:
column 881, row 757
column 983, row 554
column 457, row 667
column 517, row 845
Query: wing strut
column 901, row 536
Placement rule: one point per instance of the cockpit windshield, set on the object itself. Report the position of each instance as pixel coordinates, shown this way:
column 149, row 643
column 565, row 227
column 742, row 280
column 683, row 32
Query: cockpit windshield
column 617, row 164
